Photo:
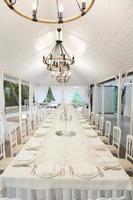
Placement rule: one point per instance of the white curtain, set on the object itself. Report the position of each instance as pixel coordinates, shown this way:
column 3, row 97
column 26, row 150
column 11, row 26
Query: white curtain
column 109, row 99
column 127, row 108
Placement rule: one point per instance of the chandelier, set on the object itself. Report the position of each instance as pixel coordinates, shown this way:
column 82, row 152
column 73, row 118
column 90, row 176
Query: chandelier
column 84, row 7
column 58, row 59
column 62, row 77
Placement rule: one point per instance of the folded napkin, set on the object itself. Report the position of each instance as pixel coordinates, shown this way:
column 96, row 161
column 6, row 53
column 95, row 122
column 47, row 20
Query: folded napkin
column 39, row 135
column 85, row 170
column 82, row 121
column 100, row 147
column 110, row 162
column 17, row 163
column 91, row 133
column 86, row 126
column 46, row 125
column 23, row 160
column 48, row 121
column 107, row 159
column 80, row 118
column 40, row 132
column 51, row 117
column 34, row 146
column 24, row 157
column 47, row 170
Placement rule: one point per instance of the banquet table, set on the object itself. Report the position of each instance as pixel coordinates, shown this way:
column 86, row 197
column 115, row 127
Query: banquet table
column 64, row 151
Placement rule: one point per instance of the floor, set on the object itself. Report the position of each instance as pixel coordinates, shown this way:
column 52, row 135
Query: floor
column 125, row 127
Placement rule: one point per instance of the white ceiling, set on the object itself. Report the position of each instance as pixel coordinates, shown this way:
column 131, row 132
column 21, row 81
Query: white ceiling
column 102, row 41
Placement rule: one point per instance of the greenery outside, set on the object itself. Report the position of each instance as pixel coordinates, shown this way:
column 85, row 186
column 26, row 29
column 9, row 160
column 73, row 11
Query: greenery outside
column 50, row 96
column 77, row 99
column 11, row 94
column 11, row 91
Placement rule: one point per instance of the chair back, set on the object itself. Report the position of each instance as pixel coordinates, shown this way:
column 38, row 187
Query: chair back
column 92, row 117
column 2, row 149
column 129, row 147
column 117, row 137
column 97, row 119
column 23, row 132
column 101, row 123
column 13, row 140
column 107, row 129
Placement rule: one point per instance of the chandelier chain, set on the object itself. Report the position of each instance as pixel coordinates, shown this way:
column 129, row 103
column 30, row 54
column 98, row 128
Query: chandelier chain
column 57, row 5
column 78, row 5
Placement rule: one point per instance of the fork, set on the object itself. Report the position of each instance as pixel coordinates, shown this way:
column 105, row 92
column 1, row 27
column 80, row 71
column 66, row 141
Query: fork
column 100, row 171
column 33, row 169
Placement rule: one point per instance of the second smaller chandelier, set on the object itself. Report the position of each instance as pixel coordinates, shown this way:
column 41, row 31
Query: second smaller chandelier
column 58, row 59
column 62, row 77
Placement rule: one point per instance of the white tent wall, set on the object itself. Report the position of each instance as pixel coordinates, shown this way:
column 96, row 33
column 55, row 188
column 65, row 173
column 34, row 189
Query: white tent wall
column 109, row 99
column 40, row 93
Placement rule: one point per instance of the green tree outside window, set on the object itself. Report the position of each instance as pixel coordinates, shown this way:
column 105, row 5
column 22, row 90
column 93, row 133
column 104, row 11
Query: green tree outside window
column 50, row 96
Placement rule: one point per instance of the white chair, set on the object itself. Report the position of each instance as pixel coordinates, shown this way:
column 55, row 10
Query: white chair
column 125, row 163
column 96, row 121
column 115, row 147
column 106, row 137
column 101, row 126
column 24, row 136
column 14, row 147
column 91, row 119
column 4, row 161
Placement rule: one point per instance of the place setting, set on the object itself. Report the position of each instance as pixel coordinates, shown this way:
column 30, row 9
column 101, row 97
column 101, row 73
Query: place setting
column 91, row 133
column 24, row 160
column 41, row 132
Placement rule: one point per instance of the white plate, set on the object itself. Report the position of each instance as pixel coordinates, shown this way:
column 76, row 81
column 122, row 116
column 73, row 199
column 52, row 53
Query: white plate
column 86, row 177
column 90, row 171
column 43, row 174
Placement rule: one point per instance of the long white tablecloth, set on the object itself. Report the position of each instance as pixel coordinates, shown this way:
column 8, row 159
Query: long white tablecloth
column 18, row 181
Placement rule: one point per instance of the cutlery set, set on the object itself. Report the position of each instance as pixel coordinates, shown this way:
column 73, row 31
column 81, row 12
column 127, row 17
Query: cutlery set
column 101, row 174
column 33, row 171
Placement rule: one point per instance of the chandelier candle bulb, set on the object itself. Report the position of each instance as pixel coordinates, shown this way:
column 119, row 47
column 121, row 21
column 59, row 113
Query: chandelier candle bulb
column 83, row 5
column 61, row 12
column 34, row 9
